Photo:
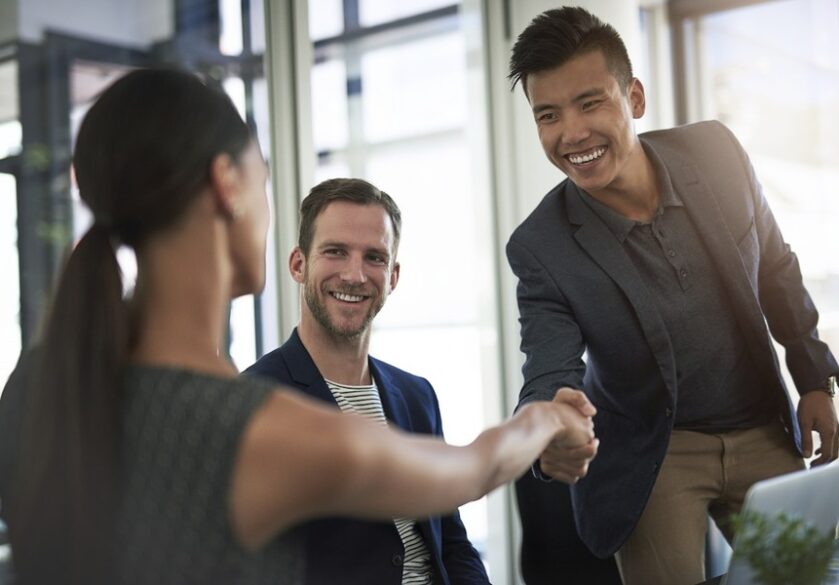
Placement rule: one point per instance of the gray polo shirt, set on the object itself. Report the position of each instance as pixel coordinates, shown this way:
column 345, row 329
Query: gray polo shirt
column 718, row 388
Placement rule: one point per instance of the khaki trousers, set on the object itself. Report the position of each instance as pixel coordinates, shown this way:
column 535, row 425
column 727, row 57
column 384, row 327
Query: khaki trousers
column 701, row 474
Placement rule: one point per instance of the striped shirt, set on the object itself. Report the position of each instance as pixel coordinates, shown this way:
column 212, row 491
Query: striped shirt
column 365, row 400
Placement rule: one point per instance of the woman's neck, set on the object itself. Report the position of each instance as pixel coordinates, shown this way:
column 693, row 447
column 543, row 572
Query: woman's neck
column 181, row 300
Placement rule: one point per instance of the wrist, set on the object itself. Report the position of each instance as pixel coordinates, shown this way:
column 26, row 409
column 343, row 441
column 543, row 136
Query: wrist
column 829, row 386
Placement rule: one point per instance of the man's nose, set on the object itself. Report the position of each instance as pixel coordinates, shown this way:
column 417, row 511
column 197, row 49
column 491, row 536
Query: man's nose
column 353, row 270
column 575, row 129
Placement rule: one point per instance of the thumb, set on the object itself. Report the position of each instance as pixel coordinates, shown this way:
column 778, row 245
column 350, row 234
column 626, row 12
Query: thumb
column 577, row 399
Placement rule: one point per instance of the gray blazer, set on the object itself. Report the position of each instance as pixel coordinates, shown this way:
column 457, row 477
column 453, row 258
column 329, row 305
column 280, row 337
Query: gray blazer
column 579, row 292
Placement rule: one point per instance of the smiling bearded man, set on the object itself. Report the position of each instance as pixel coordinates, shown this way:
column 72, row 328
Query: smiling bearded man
column 346, row 262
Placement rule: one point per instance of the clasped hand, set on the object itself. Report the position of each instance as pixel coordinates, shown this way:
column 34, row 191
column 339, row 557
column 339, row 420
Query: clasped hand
column 568, row 455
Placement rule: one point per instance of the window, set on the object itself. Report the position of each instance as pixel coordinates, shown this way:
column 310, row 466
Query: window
column 221, row 40
column 10, row 147
column 10, row 339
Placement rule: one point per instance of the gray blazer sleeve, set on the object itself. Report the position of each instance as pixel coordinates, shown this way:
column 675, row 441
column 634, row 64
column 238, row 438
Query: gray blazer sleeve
column 551, row 338
column 790, row 312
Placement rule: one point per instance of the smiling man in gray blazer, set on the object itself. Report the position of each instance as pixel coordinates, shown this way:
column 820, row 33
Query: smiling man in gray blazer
column 659, row 258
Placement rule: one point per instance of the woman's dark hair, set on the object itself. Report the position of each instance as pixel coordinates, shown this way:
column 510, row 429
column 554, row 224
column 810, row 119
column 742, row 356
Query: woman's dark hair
column 142, row 155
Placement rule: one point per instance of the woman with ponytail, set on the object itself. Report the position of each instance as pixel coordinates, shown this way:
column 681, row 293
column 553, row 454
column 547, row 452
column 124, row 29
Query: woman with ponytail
column 139, row 454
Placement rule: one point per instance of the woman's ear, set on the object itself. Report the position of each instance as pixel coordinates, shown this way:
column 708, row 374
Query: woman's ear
column 225, row 179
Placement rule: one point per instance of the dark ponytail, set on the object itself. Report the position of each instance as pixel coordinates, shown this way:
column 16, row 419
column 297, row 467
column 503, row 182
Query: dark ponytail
column 142, row 155
column 65, row 498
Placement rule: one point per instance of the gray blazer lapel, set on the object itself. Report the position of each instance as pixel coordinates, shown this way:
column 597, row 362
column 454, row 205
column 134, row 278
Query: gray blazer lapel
column 705, row 212
column 601, row 244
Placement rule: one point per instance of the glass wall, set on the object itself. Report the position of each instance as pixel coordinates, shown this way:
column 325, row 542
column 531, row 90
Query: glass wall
column 10, row 338
column 220, row 40
column 10, row 147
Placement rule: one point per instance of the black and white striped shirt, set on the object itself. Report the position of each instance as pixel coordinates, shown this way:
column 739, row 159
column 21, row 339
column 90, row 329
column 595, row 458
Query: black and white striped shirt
column 365, row 400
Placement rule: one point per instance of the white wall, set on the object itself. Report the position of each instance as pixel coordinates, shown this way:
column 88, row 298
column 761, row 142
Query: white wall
column 126, row 22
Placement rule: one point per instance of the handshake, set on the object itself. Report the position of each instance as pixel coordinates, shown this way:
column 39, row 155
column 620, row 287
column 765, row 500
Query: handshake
column 567, row 456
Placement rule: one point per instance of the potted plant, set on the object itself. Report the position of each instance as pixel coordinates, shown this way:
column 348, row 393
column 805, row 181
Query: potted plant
column 783, row 550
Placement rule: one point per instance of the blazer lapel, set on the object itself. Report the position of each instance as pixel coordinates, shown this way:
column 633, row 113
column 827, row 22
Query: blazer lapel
column 303, row 370
column 393, row 401
column 608, row 253
column 704, row 210
column 398, row 414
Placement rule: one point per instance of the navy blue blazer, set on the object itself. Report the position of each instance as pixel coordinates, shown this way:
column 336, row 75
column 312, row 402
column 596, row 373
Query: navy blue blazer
column 579, row 292
column 340, row 550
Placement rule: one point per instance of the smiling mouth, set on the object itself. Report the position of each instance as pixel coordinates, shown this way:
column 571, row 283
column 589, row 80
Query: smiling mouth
column 347, row 298
column 582, row 158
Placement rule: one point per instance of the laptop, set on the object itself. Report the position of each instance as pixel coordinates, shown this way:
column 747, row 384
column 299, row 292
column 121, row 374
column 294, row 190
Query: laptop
column 811, row 494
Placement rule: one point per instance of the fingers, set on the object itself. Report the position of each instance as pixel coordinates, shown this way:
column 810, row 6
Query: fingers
column 575, row 398
column 568, row 464
column 568, row 478
column 576, row 429
column 806, row 437
column 817, row 413
column 828, row 450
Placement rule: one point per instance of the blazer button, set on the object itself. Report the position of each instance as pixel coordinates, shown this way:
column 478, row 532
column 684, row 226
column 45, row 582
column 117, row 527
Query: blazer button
column 396, row 560
column 668, row 412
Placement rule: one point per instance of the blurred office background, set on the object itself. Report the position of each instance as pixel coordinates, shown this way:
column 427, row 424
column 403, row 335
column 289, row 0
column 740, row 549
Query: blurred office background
column 412, row 95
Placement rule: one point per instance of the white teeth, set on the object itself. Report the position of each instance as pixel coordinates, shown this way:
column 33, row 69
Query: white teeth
column 347, row 298
column 578, row 160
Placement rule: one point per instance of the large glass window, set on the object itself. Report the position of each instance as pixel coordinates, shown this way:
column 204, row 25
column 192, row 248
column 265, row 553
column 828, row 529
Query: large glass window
column 10, row 147
column 220, row 40
column 10, row 338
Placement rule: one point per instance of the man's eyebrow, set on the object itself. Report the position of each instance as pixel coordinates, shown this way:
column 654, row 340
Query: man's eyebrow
column 589, row 93
column 379, row 251
column 538, row 108
column 331, row 244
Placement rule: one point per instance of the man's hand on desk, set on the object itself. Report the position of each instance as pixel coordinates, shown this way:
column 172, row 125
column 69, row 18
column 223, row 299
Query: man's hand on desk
column 567, row 457
column 816, row 413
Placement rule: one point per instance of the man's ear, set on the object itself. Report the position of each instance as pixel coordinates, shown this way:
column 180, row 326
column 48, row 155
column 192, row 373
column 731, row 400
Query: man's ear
column 637, row 99
column 297, row 265
column 394, row 276
column 225, row 182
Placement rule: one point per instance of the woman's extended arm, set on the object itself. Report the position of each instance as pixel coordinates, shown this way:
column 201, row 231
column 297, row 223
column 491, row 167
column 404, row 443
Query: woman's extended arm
column 299, row 460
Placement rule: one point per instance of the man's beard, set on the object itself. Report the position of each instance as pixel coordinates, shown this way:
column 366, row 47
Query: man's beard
column 321, row 314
